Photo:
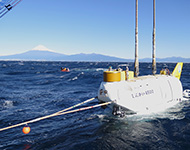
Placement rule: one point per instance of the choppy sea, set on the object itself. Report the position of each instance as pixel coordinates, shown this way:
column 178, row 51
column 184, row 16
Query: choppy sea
column 32, row 89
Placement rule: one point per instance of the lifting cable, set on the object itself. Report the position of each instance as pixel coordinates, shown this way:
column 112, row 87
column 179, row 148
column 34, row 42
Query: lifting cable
column 62, row 112
column 7, row 7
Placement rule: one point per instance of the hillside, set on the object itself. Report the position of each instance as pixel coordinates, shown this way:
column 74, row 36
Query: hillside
column 46, row 55
column 41, row 53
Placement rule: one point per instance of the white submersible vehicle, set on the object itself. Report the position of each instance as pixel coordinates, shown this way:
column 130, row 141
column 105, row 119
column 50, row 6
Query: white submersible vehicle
column 141, row 94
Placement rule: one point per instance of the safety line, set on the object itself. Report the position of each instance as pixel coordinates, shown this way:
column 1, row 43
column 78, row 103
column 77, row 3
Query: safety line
column 59, row 113
column 86, row 108
column 77, row 105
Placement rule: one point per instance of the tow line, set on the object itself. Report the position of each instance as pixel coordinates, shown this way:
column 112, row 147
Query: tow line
column 26, row 129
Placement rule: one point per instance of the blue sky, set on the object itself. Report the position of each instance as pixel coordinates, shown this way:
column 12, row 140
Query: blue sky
column 97, row 26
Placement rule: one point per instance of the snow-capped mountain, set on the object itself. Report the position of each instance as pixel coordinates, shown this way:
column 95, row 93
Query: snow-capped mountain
column 40, row 52
column 42, row 48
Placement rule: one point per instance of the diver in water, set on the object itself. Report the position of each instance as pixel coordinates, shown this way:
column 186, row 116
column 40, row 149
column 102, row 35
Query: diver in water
column 65, row 69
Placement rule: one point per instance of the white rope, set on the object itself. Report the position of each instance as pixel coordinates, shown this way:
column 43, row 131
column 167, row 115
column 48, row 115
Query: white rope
column 62, row 112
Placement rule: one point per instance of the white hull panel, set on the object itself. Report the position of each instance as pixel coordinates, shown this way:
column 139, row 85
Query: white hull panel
column 143, row 94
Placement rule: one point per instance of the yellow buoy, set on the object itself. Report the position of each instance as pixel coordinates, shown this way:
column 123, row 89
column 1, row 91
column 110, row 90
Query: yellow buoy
column 26, row 129
column 112, row 76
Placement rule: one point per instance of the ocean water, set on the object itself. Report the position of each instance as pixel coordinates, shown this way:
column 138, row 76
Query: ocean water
column 29, row 90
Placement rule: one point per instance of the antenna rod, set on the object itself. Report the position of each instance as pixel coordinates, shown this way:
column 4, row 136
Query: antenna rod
column 136, row 69
column 153, row 43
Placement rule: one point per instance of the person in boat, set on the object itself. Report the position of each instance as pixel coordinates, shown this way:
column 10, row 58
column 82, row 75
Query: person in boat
column 127, row 72
column 110, row 68
column 165, row 71
column 119, row 69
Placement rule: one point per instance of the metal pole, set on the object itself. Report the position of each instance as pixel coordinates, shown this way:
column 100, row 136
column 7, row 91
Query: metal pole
column 136, row 69
column 153, row 43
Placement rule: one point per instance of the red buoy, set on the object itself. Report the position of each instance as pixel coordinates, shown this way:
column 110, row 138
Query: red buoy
column 26, row 129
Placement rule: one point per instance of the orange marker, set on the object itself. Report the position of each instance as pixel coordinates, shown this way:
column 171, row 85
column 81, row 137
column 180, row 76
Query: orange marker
column 26, row 129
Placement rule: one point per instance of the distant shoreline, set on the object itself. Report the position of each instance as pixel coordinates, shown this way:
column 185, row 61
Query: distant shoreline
column 17, row 60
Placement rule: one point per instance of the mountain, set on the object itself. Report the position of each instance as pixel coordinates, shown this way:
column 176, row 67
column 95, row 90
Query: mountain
column 42, row 48
column 39, row 52
column 42, row 53
column 93, row 57
column 34, row 55
column 167, row 59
